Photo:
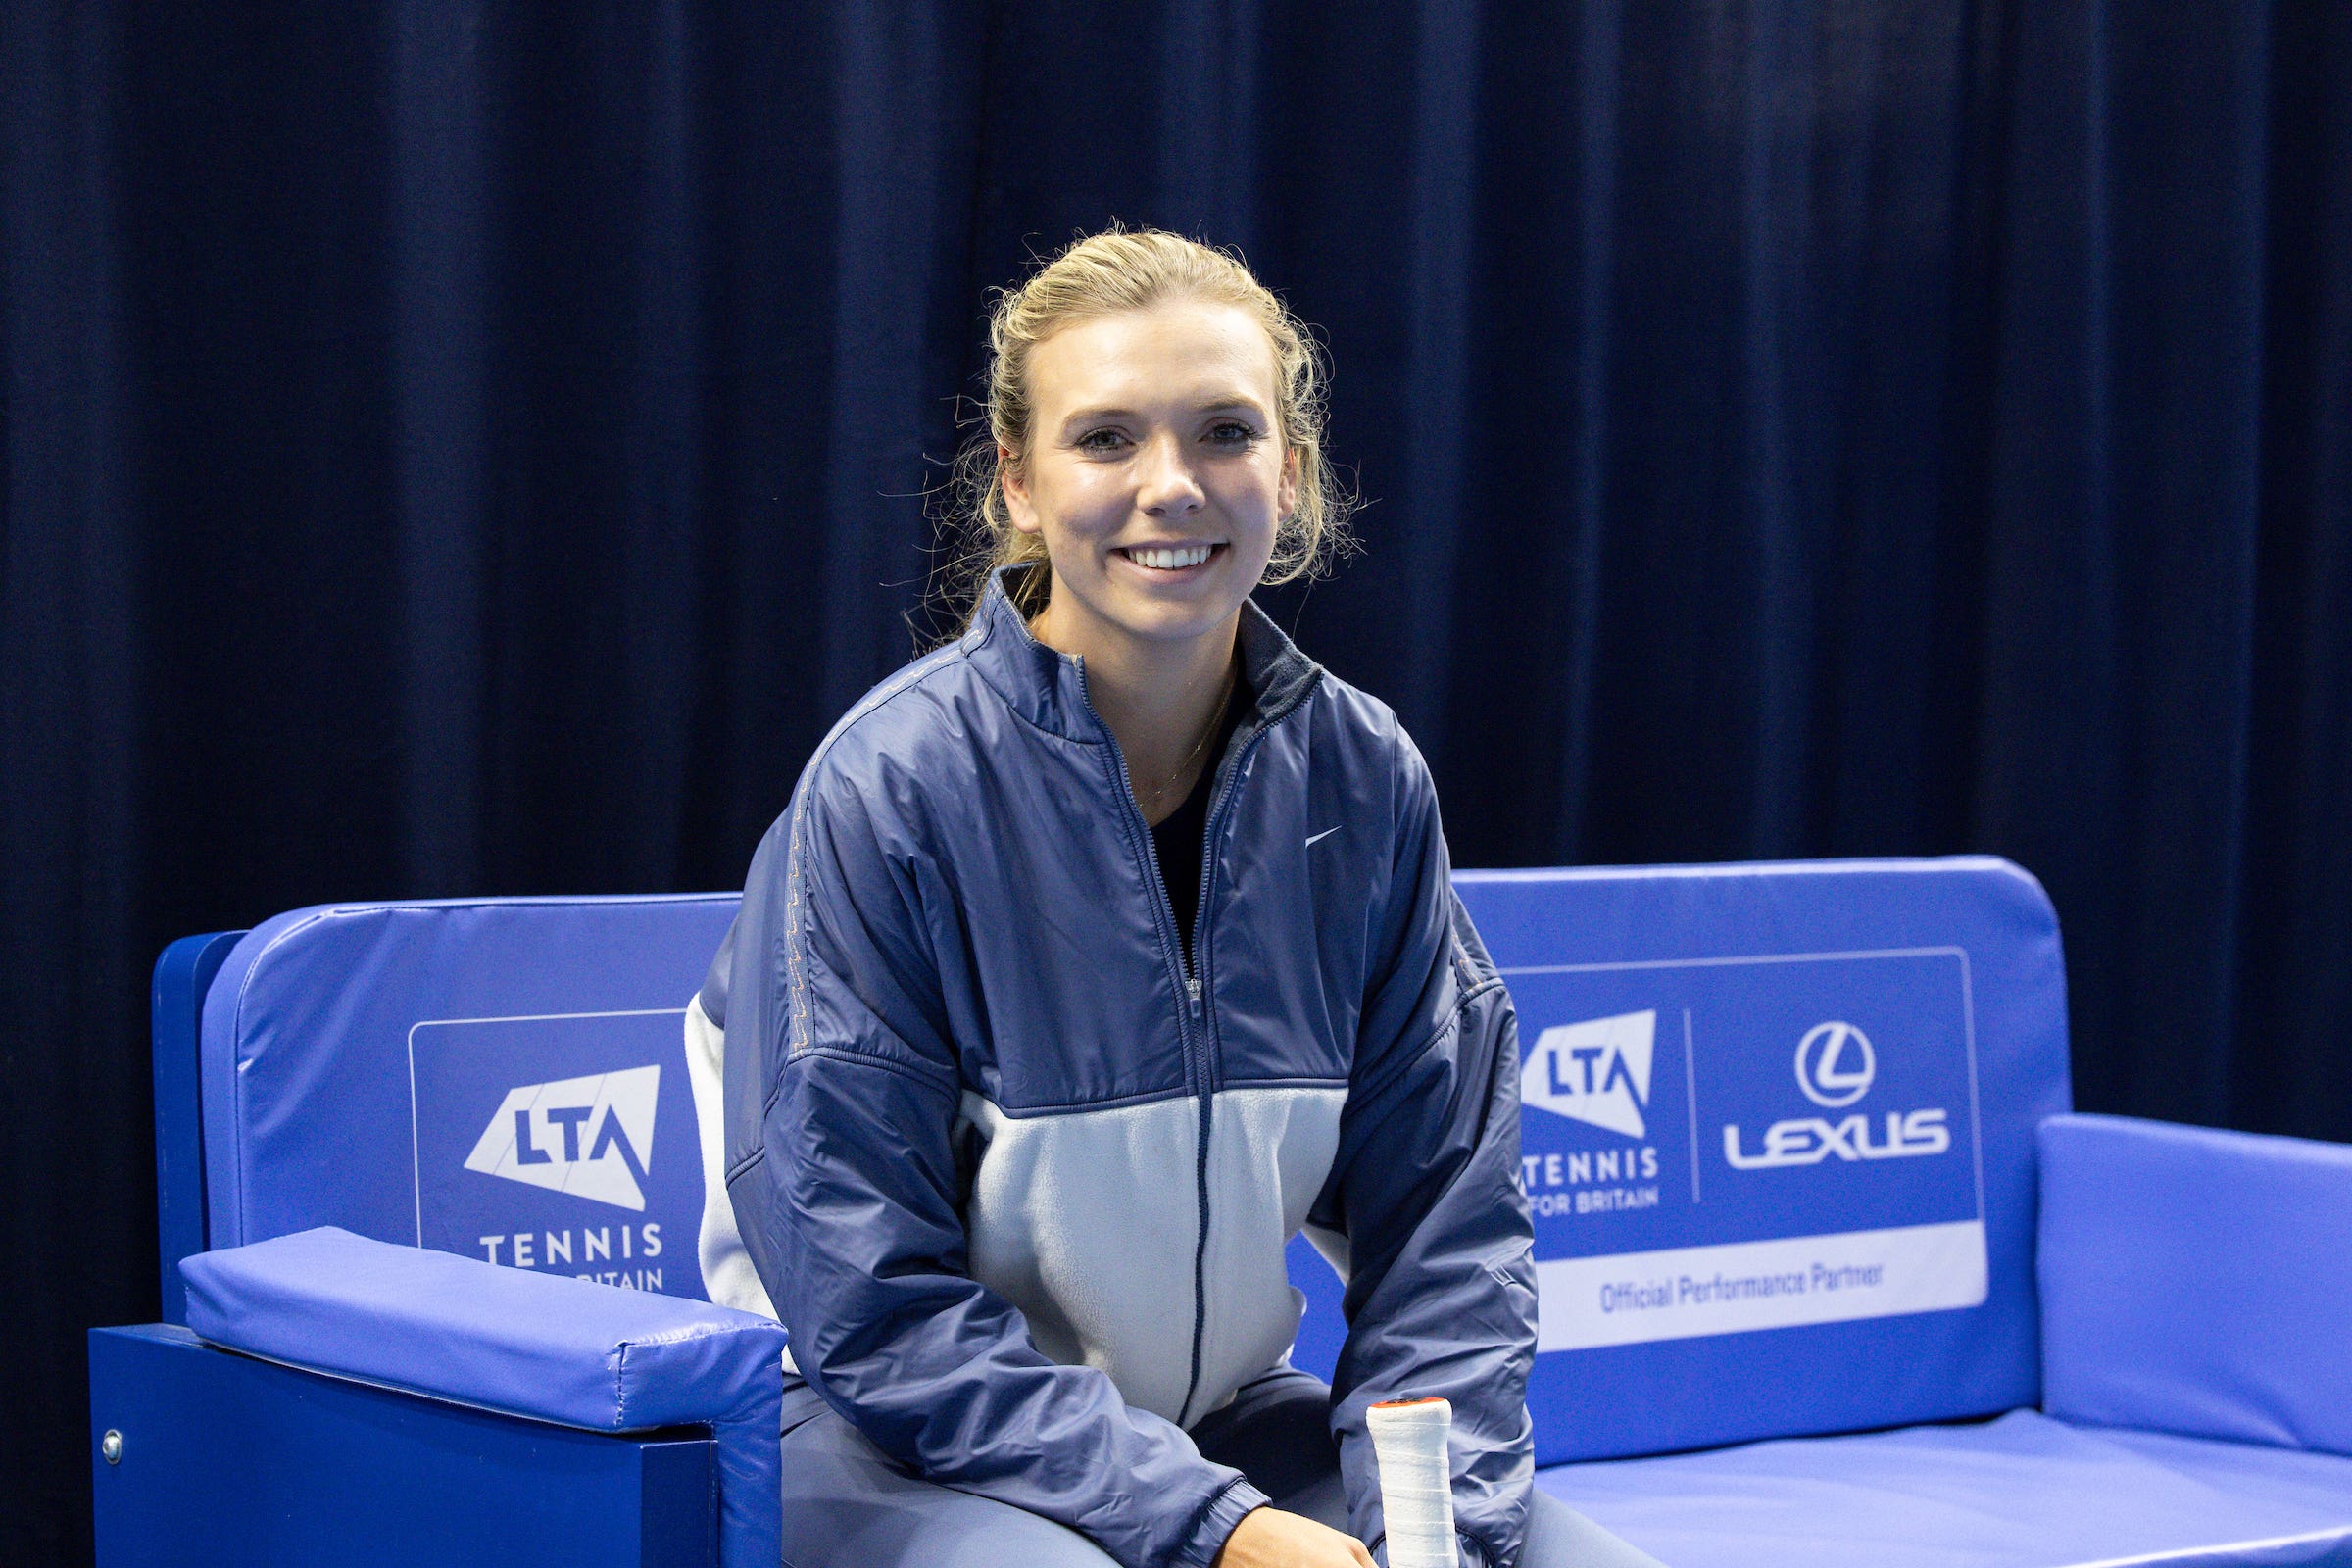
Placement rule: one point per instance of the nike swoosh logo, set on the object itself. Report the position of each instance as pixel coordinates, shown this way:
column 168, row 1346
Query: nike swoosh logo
column 1320, row 837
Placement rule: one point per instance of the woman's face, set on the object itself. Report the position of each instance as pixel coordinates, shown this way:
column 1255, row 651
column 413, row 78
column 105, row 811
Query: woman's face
column 1157, row 472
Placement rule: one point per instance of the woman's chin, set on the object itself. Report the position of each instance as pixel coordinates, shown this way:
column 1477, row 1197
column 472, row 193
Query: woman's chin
column 1169, row 618
column 1175, row 611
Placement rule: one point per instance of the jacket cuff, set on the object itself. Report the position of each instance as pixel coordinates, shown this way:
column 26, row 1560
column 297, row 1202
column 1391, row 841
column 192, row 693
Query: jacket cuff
column 1217, row 1523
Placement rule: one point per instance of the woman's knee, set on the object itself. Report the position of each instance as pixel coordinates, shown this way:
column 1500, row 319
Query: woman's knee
column 846, row 1506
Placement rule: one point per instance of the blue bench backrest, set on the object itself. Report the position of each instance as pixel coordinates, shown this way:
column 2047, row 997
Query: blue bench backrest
column 1779, row 1124
column 1778, row 1131
column 504, row 1078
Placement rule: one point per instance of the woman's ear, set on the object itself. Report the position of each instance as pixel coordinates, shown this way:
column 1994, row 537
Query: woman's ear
column 1286, row 494
column 1016, row 484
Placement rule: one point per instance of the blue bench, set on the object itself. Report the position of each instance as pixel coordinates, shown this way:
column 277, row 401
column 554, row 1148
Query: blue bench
column 1828, row 1274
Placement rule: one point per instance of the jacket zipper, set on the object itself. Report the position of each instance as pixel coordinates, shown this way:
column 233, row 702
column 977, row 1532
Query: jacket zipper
column 1200, row 1069
column 1219, row 797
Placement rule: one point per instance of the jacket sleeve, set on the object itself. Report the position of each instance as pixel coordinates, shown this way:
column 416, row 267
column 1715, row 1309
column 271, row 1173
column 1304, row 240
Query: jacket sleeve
column 1441, row 1296
column 843, row 1092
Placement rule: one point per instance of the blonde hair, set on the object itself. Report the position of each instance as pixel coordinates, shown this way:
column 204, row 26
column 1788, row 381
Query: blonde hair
column 1121, row 270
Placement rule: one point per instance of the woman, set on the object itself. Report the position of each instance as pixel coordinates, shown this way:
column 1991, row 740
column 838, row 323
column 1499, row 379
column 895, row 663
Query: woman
column 1098, row 952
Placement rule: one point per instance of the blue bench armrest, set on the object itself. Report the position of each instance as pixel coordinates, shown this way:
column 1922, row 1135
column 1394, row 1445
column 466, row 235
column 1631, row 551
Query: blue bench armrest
column 2198, row 1282
column 539, row 1345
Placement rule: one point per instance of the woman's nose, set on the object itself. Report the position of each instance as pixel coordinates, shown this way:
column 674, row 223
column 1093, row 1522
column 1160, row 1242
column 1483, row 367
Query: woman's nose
column 1166, row 484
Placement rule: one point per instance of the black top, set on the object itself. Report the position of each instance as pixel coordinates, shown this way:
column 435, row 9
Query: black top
column 1179, row 838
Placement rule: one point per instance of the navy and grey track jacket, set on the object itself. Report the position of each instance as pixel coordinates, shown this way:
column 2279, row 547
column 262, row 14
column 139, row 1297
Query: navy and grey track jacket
column 1019, row 1184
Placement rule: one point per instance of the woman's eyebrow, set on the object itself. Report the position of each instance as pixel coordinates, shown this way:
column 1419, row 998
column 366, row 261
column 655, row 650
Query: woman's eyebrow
column 1078, row 416
column 1110, row 411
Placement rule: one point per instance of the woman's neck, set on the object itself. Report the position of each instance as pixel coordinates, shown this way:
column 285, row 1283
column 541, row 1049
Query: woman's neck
column 1160, row 697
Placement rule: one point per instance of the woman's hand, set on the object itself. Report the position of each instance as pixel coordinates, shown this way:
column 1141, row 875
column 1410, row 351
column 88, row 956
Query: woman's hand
column 1268, row 1538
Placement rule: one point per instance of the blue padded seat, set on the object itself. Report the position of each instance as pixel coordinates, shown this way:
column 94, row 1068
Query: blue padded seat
column 1798, row 1144
column 2196, row 1334
column 1812, row 1219
column 2023, row 1491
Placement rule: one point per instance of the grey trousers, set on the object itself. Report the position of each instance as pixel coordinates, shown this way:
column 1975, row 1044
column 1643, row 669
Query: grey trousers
column 846, row 1506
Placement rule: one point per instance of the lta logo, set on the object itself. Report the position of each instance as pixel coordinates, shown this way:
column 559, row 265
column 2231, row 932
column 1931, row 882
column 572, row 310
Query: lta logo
column 590, row 1137
column 1597, row 1071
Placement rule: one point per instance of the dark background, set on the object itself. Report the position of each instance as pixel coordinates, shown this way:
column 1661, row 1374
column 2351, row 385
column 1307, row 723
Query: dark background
column 459, row 447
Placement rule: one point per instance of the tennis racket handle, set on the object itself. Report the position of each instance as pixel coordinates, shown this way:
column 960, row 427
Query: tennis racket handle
column 1416, row 1481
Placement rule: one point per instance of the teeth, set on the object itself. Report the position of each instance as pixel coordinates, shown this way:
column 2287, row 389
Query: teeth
column 1171, row 559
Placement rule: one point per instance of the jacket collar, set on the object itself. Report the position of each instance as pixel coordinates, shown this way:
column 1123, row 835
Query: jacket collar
column 1047, row 687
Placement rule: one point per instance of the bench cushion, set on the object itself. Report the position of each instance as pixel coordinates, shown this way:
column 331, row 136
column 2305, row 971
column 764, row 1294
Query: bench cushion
column 2023, row 1490
column 521, row 1344
column 2197, row 1280
column 504, row 1078
column 1777, row 1132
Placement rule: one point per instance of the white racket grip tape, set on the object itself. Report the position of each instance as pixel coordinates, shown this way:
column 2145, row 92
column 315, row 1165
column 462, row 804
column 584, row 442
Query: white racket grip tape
column 1416, row 1481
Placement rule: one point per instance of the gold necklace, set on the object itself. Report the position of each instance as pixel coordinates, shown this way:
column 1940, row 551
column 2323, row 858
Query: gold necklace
column 1216, row 720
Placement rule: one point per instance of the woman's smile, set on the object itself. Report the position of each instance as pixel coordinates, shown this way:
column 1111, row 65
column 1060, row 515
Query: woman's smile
column 1171, row 563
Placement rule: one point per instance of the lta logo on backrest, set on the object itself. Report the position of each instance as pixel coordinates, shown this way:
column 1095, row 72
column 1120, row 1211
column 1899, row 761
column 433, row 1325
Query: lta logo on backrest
column 590, row 1137
column 1597, row 1071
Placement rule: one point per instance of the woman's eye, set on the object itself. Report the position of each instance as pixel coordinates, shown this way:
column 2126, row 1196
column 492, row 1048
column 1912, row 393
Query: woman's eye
column 1102, row 441
column 1232, row 433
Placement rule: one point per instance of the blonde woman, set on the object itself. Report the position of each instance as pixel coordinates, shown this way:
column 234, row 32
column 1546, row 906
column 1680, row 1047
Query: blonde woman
column 1098, row 954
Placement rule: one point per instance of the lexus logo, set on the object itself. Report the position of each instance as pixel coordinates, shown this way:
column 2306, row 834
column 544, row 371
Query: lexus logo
column 1834, row 1064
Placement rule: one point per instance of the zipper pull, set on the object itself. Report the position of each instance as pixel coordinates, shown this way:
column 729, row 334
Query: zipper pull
column 1192, row 995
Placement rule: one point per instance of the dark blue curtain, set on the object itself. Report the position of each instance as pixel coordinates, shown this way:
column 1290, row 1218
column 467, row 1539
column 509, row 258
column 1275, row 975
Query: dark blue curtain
column 464, row 446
